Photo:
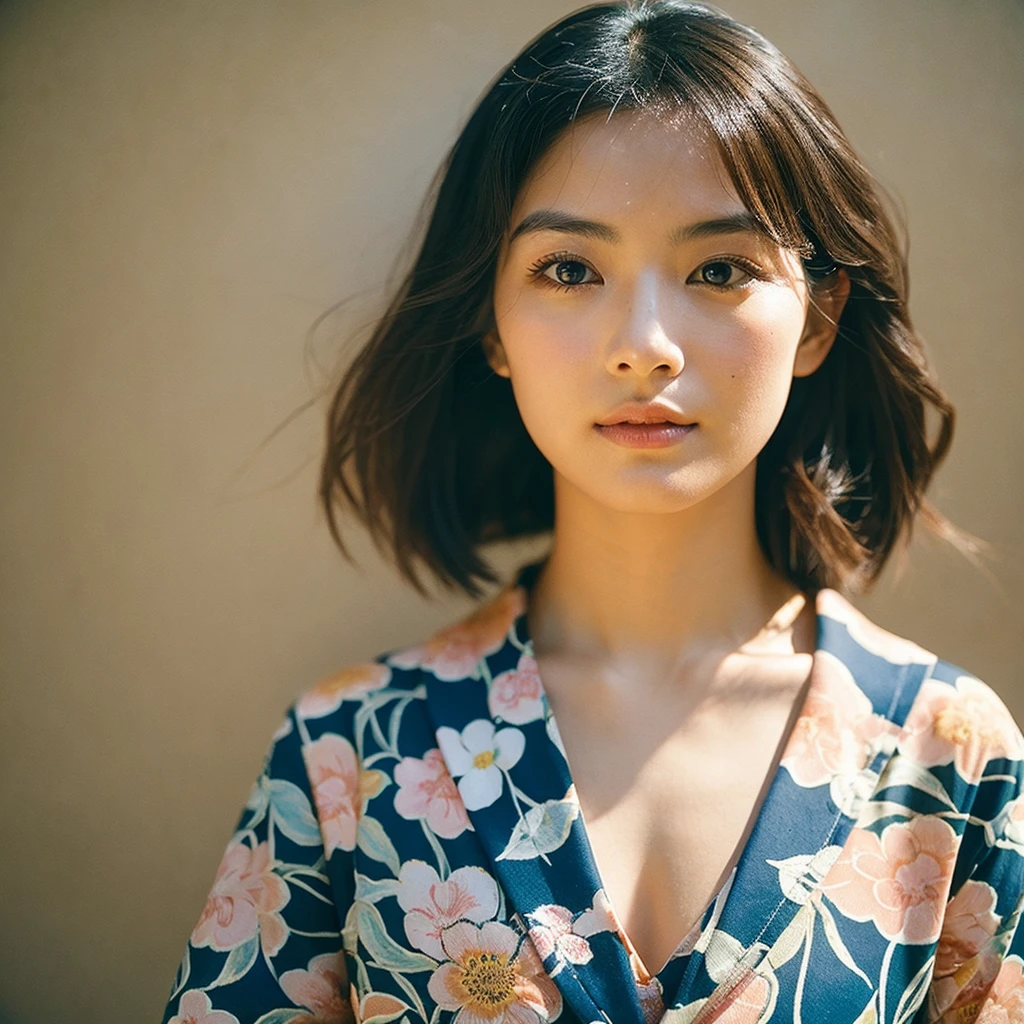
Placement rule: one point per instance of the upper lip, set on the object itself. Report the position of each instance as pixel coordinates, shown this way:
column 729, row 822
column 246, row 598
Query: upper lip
column 644, row 412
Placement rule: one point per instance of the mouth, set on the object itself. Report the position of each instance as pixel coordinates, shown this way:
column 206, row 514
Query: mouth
column 630, row 434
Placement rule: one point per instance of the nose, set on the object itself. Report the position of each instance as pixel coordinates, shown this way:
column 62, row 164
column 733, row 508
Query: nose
column 642, row 346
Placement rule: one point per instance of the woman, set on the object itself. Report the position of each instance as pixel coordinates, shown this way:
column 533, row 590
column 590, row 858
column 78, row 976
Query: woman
column 660, row 311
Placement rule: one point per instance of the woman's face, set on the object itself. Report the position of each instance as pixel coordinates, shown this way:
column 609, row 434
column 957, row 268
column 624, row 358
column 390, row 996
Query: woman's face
column 668, row 292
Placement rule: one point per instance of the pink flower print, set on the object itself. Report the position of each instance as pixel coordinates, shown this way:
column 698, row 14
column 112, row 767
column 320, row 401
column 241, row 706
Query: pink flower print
column 318, row 989
column 556, row 931
column 746, row 1003
column 969, row 923
column 479, row 755
column 195, row 1007
column 432, row 905
column 899, row 881
column 967, row 724
column 1005, row 1001
column 426, row 790
column 245, row 898
column 835, row 726
column 553, row 933
column 340, row 789
column 348, row 684
column 492, row 978
column 455, row 652
column 515, row 695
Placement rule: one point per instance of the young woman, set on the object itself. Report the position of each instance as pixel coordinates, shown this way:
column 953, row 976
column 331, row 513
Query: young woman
column 659, row 311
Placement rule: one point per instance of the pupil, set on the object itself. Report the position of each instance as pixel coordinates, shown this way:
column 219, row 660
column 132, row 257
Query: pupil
column 573, row 275
column 717, row 273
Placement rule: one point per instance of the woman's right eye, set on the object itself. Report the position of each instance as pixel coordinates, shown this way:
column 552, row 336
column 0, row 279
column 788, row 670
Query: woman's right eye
column 564, row 272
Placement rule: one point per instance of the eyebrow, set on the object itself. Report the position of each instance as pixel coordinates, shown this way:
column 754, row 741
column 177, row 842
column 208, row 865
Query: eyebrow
column 556, row 220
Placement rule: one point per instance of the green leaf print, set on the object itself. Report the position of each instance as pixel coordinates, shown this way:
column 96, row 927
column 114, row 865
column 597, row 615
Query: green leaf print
column 239, row 960
column 370, row 890
column 904, row 772
column 541, row 830
column 293, row 814
column 374, row 842
column 801, row 874
column 382, row 948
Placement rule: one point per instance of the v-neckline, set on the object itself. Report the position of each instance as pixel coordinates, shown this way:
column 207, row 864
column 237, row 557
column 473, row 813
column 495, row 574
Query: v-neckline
column 482, row 688
column 525, row 579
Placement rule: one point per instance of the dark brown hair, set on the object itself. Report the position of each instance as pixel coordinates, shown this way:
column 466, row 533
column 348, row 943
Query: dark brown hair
column 424, row 441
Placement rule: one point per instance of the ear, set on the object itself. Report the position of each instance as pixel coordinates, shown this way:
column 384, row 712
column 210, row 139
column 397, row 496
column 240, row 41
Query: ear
column 823, row 312
column 495, row 354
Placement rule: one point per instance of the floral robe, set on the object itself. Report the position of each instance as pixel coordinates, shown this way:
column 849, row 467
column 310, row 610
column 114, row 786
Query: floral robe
column 416, row 815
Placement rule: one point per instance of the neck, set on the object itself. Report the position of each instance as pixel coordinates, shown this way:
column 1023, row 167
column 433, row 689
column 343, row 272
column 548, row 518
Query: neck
column 664, row 588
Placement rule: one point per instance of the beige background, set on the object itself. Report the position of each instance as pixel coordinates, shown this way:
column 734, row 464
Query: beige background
column 184, row 187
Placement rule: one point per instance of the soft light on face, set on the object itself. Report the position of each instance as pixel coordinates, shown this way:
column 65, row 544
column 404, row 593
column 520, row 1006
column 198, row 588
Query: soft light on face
column 650, row 301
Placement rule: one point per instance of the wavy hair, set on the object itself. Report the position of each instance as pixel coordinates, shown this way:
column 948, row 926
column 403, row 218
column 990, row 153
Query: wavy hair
column 424, row 441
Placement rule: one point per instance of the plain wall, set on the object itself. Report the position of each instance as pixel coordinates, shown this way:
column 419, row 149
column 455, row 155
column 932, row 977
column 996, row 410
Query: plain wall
column 184, row 188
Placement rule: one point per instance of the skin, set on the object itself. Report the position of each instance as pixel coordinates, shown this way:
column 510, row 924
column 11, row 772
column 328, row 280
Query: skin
column 663, row 636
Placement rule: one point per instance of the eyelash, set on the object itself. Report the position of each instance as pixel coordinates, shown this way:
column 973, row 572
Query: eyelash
column 538, row 268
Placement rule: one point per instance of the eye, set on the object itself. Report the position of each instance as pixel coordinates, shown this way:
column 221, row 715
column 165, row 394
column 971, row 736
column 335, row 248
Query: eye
column 564, row 271
column 726, row 275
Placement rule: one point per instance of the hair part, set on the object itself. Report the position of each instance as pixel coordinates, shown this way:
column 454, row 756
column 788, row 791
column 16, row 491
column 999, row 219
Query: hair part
column 425, row 444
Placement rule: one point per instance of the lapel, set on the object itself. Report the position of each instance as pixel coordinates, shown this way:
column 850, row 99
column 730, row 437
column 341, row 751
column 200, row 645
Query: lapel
column 530, row 827
column 863, row 682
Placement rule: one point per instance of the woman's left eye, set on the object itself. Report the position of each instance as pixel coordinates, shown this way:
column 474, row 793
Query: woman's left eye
column 725, row 274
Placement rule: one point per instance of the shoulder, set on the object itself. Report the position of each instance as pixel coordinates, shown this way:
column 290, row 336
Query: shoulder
column 351, row 682
column 868, row 635
column 455, row 651
column 450, row 653
column 952, row 717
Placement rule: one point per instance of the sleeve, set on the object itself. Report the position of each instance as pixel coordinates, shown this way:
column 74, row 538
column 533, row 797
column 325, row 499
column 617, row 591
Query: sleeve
column 267, row 947
column 980, row 955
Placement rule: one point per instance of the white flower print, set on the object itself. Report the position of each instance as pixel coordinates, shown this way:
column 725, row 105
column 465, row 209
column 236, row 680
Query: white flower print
column 553, row 934
column 477, row 756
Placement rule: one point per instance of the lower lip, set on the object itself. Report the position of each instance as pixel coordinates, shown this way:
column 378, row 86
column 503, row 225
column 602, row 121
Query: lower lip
column 645, row 435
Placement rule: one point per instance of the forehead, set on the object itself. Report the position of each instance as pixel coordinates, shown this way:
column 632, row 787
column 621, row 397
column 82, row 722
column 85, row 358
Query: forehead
column 634, row 162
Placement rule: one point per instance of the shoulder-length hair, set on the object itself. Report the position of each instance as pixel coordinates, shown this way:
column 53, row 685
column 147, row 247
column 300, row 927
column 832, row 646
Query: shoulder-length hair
column 424, row 441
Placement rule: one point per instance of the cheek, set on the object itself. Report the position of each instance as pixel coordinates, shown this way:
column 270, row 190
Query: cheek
column 548, row 381
column 758, row 363
column 547, row 354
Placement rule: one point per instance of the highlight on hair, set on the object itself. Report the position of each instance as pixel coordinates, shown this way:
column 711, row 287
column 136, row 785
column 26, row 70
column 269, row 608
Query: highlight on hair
column 424, row 441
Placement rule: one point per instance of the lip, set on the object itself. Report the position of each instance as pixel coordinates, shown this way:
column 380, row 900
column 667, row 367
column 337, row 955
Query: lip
column 645, row 413
column 644, row 435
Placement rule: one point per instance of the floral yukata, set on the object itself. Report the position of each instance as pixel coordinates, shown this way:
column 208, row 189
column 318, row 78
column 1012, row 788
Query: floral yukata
column 416, row 815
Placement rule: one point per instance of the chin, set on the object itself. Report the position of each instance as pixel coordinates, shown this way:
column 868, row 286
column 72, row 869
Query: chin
column 648, row 496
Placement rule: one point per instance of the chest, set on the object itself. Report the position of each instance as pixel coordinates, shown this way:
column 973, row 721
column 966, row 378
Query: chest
column 670, row 791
